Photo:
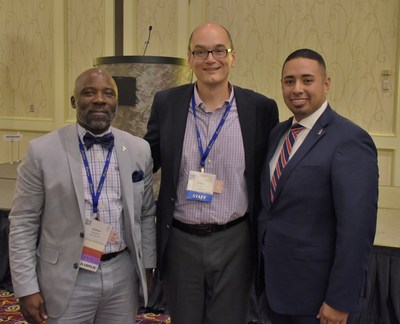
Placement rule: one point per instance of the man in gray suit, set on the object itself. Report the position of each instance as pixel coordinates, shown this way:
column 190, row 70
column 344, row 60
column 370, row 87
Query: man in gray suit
column 82, row 229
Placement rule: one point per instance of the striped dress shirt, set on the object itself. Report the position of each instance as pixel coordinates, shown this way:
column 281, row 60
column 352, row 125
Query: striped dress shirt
column 110, row 200
column 226, row 160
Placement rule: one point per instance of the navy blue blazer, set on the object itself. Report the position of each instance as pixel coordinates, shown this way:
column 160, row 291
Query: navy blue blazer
column 317, row 235
column 165, row 134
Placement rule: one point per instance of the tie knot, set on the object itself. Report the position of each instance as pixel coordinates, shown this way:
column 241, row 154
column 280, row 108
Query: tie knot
column 296, row 129
column 106, row 140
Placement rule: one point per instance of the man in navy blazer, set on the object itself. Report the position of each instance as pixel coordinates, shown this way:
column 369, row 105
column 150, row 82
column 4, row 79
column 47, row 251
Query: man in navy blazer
column 204, row 249
column 317, row 227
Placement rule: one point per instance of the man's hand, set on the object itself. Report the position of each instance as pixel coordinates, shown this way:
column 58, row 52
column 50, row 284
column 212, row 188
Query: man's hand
column 33, row 308
column 329, row 315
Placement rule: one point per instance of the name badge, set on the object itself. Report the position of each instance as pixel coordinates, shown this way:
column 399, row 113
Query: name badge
column 96, row 237
column 200, row 186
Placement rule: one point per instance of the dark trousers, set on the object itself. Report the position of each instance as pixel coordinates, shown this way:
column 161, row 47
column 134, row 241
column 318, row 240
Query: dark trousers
column 207, row 279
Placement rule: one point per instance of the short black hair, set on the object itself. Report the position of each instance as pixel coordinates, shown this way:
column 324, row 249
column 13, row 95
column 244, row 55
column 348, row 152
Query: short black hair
column 306, row 53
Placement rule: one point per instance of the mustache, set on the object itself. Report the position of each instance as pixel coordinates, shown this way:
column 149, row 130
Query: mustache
column 101, row 108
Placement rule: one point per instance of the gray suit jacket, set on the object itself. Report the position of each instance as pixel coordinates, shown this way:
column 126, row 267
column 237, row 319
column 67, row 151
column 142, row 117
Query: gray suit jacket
column 47, row 216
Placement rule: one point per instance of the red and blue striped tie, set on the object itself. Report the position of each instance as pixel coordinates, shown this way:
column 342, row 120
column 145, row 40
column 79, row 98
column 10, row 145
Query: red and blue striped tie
column 284, row 157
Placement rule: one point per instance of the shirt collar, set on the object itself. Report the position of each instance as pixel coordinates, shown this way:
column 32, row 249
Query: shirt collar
column 310, row 121
column 200, row 103
column 82, row 131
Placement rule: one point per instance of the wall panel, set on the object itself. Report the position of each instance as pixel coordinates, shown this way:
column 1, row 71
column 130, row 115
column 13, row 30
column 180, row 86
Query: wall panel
column 358, row 39
column 85, row 21
column 44, row 45
column 162, row 16
column 26, row 56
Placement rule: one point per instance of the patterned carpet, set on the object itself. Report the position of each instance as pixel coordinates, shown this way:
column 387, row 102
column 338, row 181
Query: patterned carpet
column 9, row 312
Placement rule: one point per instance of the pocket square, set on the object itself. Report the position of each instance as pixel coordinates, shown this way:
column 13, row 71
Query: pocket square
column 137, row 176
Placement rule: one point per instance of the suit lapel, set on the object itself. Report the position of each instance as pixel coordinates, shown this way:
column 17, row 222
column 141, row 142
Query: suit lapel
column 179, row 111
column 275, row 136
column 125, row 170
column 316, row 133
column 69, row 136
column 125, row 165
column 247, row 120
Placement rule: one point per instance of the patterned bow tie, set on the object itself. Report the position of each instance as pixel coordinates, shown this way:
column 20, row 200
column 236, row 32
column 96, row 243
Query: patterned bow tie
column 106, row 140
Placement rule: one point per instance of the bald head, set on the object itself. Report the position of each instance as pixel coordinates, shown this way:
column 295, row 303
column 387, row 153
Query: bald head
column 95, row 100
column 94, row 73
column 209, row 27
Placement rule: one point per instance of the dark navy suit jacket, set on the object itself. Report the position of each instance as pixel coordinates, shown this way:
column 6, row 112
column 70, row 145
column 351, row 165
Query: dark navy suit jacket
column 165, row 133
column 317, row 235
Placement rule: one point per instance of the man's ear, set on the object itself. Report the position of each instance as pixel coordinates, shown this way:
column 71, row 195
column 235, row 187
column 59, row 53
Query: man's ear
column 189, row 60
column 73, row 103
column 233, row 61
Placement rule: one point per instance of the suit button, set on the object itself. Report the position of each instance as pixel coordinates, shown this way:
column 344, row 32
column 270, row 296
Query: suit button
column 172, row 199
column 75, row 265
column 82, row 235
column 168, row 226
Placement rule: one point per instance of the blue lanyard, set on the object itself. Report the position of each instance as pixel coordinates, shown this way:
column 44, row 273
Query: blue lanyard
column 95, row 196
column 205, row 153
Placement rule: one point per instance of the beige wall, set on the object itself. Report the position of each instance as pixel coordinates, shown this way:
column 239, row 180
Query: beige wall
column 44, row 44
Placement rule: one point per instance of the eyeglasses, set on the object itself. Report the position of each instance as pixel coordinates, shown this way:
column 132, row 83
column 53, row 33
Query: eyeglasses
column 218, row 53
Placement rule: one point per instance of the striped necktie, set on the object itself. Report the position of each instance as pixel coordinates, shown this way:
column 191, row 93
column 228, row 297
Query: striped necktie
column 284, row 157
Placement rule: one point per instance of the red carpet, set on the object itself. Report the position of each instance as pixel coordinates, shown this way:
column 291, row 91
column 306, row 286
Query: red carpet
column 9, row 312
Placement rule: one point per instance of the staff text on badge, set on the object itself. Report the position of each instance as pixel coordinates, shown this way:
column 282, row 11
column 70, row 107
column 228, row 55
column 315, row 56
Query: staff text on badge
column 200, row 186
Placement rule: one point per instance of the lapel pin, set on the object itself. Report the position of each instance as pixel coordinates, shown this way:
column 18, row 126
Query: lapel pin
column 123, row 148
column 320, row 132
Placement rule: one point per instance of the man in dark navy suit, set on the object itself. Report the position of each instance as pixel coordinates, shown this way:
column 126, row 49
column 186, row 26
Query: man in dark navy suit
column 319, row 197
